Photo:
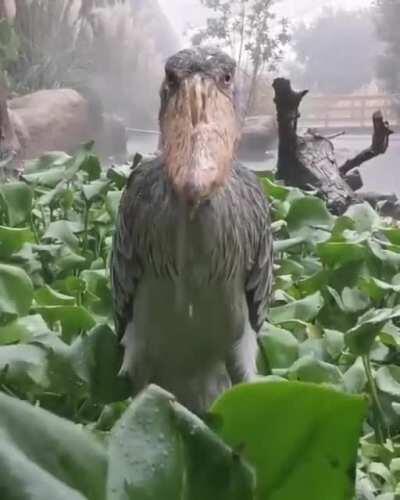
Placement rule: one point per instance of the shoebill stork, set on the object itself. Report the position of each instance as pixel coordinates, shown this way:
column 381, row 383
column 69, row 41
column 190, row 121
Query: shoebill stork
column 191, row 263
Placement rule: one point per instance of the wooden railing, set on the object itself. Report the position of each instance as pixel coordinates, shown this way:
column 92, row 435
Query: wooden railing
column 348, row 111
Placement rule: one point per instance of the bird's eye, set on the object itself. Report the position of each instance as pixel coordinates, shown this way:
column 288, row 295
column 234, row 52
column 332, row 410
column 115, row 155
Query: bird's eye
column 227, row 78
column 172, row 78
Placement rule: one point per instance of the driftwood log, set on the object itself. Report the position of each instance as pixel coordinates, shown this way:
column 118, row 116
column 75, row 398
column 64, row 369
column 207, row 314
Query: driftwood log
column 309, row 161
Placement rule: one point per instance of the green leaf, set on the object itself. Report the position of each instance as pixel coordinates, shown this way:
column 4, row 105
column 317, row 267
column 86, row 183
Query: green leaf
column 158, row 449
column 354, row 301
column 100, row 354
column 335, row 254
column 17, row 198
column 342, row 225
column 45, row 162
column 16, row 293
column 12, row 240
column 23, row 329
column 61, row 231
column 387, row 256
column 73, row 319
column 94, row 190
column 119, row 174
column 98, row 284
column 301, row 438
column 360, row 339
column 69, row 261
column 91, row 165
column 377, row 289
column 274, row 190
column 113, row 199
column 285, row 245
column 364, row 216
column 84, row 160
column 355, row 378
column 309, row 369
column 304, row 309
column 46, row 296
column 388, row 380
column 49, row 178
column 313, row 283
column 392, row 234
column 23, row 367
column 43, row 456
column 334, row 343
column 281, row 346
column 49, row 198
column 310, row 219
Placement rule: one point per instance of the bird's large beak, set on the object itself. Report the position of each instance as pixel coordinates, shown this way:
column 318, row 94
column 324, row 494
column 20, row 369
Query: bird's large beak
column 199, row 131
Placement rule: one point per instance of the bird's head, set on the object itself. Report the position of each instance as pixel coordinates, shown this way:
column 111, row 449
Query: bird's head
column 198, row 122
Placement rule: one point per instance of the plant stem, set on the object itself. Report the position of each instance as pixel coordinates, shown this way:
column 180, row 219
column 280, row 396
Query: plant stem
column 267, row 364
column 34, row 230
column 86, row 227
column 379, row 416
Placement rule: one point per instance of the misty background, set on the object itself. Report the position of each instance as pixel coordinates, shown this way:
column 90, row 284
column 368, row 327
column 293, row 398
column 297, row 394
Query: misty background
column 114, row 52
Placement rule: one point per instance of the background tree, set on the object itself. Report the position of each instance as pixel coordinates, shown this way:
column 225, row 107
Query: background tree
column 251, row 31
column 337, row 51
column 388, row 22
column 112, row 48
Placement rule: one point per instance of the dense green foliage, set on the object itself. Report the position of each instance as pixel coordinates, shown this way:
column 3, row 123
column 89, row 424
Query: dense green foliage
column 333, row 337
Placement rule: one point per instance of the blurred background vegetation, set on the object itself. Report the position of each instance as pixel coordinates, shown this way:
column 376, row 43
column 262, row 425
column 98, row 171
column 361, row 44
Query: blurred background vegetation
column 117, row 49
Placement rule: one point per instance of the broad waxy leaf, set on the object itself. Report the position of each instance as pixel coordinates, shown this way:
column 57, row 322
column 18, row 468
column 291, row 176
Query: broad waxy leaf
column 12, row 240
column 16, row 293
column 61, row 231
column 274, row 190
column 309, row 369
column 388, row 380
column 335, row 254
column 304, row 309
column 158, row 450
column 17, row 198
column 23, row 329
column 46, row 296
column 47, row 456
column 23, row 366
column 312, row 460
column 73, row 318
column 99, row 357
column 49, row 178
column 364, row 217
column 94, row 190
column 281, row 346
column 309, row 218
column 56, row 352
column 113, row 199
column 360, row 338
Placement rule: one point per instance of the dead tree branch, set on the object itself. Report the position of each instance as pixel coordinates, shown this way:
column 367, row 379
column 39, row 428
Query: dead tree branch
column 380, row 143
column 310, row 160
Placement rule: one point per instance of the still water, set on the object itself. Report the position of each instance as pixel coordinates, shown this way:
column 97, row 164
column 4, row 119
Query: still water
column 382, row 174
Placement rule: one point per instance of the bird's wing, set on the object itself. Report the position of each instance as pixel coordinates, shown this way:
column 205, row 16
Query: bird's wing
column 125, row 263
column 260, row 277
